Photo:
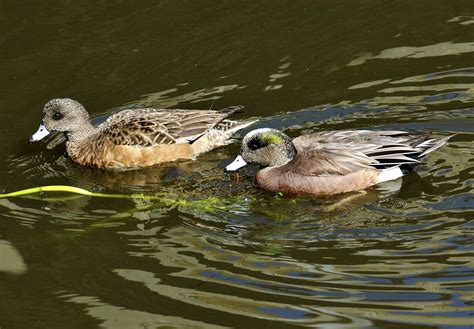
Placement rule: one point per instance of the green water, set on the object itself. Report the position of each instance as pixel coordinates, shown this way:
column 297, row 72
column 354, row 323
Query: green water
column 230, row 255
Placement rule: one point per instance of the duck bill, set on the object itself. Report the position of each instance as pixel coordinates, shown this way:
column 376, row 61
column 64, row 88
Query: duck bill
column 238, row 163
column 41, row 133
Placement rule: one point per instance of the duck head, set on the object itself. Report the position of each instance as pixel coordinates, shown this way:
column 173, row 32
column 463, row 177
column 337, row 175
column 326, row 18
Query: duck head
column 61, row 115
column 265, row 147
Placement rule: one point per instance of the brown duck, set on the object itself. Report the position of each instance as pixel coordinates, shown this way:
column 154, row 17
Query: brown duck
column 137, row 138
column 332, row 162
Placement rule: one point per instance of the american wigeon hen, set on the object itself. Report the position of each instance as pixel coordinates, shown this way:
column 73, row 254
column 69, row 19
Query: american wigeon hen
column 137, row 138
column 332, row 162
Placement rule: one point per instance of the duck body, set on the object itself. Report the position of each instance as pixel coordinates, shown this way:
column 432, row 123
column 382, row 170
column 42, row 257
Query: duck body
column 332, row 162
column 137, row 138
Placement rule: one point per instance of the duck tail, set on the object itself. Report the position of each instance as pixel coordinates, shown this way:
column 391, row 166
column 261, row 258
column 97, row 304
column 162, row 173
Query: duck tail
column 431, row 144
column 232, row 109
column 219, row 135
column 231, row 127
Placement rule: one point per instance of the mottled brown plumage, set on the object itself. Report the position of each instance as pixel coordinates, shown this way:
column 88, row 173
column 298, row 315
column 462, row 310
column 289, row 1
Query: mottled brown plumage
column 332, row 162
column 137, row 138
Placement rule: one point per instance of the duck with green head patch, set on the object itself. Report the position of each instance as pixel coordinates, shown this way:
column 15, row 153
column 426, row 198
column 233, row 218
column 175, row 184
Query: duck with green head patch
column 332, row 162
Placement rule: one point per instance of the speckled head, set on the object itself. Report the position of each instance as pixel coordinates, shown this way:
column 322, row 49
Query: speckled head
column 63, row 115
column 265, row 147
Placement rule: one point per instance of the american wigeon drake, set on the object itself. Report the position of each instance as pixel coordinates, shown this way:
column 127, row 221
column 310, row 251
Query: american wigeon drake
column 332, row 162
column 137, row 138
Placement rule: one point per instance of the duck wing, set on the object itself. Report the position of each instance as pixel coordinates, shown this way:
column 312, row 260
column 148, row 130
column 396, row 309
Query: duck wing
column 355, row 149
column 327, row 162
column 148, row 127
column 358, row 137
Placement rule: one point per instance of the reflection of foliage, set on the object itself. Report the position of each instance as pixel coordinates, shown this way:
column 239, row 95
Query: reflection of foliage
column 232, row 207
column 209, row 204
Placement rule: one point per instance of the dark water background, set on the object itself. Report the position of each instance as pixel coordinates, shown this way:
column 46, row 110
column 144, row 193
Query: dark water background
column 230, row 255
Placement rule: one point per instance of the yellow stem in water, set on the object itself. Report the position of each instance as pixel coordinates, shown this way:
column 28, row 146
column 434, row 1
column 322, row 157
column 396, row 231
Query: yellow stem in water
column 207, row 203
column 70, row 189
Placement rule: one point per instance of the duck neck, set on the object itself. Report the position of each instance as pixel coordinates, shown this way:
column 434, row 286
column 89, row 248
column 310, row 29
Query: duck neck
column 76, row 136
column 285, row 157
column 291, row 151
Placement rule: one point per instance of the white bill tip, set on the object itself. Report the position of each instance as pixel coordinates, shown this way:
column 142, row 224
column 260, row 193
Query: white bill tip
column 239, row 162
column 41, row 133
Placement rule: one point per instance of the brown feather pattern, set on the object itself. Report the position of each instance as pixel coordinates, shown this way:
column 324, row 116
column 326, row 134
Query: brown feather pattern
column 141, row 137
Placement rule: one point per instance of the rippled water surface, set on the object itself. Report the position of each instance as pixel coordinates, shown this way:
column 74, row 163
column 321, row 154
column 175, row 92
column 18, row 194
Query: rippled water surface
column 206, row 251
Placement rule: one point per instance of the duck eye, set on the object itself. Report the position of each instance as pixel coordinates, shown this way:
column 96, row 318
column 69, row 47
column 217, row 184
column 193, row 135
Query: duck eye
column 57, row 116
column 255, row 144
